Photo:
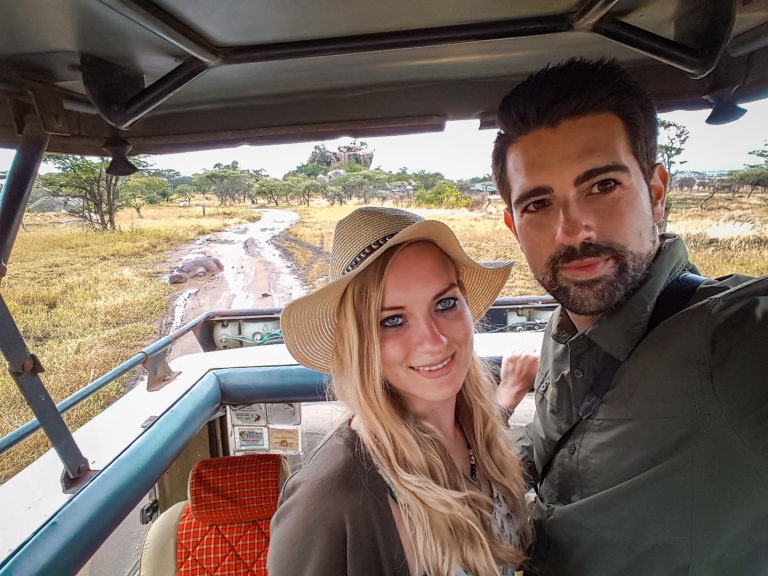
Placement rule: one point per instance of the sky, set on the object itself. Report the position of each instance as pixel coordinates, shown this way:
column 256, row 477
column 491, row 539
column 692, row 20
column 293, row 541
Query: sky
column 463, row 151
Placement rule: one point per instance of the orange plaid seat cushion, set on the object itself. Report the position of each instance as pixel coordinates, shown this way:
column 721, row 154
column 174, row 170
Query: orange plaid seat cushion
column 224, row 528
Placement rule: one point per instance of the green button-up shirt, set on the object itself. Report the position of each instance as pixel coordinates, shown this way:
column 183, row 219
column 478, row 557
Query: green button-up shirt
column 670, row 474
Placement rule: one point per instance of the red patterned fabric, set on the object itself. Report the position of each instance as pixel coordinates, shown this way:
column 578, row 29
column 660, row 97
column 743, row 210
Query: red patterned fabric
column 224, row 529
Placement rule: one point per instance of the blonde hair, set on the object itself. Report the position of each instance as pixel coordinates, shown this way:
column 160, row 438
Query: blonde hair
column 449, row 526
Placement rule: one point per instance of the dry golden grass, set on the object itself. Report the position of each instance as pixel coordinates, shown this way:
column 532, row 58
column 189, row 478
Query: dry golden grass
column 87, row 300
column 727, row 234
column 482, row 234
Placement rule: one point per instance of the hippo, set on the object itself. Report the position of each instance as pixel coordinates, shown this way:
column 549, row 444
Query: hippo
column 195, row 267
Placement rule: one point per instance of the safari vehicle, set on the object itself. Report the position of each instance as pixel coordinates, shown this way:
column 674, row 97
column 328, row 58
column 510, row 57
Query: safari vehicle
column 121, row 77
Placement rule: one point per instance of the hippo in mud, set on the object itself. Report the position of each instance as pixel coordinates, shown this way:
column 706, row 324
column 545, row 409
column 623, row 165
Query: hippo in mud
column 196, row 267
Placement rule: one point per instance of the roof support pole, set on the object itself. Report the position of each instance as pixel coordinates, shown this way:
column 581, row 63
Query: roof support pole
column 25, row 369
column 23, row 365
column 18, row 185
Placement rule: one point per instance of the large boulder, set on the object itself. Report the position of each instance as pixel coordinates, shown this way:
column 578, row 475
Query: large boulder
column 55, row 204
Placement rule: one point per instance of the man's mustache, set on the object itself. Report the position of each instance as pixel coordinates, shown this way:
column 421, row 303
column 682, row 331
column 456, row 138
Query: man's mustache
column 584, row 250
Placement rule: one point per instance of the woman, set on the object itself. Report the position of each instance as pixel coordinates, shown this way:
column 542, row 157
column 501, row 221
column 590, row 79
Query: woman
column 419, row 478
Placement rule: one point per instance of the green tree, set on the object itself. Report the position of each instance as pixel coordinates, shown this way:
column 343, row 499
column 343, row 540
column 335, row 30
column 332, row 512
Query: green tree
column 312, row 170
column 140, row 189
column 427, row 180
column 672, row 140
column 671, row 144
column 271, row 190
column 229, row 183
column 79, row 177
column 754, row 176
column 321, row 155
column 443, row 195
column 185, row 191
column 173, row 177
column 363, row 185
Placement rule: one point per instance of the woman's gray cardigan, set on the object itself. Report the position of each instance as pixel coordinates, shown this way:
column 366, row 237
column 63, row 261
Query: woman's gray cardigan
column 334, row 518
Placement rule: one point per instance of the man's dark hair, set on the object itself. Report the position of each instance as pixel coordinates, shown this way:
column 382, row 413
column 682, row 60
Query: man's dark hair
column 570, row 90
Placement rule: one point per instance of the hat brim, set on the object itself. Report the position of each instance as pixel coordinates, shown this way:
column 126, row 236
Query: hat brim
column 308, row 323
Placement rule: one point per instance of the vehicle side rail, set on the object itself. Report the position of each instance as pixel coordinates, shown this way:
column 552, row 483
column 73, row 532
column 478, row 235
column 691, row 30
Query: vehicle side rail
column 73, row 534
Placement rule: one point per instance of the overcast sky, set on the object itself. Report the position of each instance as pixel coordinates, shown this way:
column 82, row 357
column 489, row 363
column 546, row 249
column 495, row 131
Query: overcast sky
column 463, row 151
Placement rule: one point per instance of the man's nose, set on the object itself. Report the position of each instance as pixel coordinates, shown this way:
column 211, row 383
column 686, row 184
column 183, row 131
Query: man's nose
column 574, row 225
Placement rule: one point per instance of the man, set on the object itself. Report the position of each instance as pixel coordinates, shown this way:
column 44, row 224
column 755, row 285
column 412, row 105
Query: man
column 649, row 447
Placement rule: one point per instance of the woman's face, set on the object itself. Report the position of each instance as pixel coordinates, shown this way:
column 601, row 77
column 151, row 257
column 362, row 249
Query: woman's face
column 425, row 329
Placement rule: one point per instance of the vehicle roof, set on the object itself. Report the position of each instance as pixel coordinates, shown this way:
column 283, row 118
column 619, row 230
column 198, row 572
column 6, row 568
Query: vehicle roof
column 177, row 75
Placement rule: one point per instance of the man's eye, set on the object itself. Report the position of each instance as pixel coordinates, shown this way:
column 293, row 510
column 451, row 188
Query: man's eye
column 603, row 186
column 392, row 321
column 536, row 205
column 446, row 304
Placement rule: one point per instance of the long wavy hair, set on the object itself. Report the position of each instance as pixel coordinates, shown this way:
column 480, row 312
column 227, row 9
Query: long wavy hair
column 449, row 525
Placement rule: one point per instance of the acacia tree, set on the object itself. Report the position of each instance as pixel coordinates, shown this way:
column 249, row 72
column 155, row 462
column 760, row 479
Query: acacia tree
column 79, row 177
column 754, row 176
column 140, row 189
column 671, row 144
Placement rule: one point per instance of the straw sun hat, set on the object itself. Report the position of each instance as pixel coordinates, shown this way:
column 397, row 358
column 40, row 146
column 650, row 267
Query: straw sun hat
column 308, row 323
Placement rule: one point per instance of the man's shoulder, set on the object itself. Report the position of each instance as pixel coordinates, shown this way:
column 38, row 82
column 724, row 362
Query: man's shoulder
column 732, row 292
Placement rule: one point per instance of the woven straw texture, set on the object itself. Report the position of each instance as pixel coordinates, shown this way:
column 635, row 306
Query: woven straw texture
column 224, row 529
column 309, row 323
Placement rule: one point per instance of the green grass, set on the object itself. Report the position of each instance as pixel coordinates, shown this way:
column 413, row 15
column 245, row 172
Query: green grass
column 87, row 300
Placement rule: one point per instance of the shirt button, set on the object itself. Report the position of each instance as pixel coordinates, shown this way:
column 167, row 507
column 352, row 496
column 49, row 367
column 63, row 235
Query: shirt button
column 550, row 511
column 571, row 448
column 543, row 386
column 578, row 372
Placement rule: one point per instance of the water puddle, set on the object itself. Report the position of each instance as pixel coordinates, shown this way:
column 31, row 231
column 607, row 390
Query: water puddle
column 238, row 248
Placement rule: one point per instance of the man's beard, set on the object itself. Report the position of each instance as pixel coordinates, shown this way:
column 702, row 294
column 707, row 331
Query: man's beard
column 596, row 296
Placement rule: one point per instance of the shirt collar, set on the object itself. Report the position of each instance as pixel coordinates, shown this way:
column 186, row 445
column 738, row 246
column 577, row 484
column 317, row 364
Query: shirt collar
column 618, row 331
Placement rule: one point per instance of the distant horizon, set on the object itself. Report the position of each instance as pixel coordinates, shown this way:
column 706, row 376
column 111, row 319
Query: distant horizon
column 463, row 151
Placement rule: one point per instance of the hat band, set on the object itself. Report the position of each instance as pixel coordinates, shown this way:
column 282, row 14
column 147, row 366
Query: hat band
column 367, row 251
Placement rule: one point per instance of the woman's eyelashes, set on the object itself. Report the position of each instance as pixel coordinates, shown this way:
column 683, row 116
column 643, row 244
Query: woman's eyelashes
column 445, row 304
column 392, row 321
column 442, row 305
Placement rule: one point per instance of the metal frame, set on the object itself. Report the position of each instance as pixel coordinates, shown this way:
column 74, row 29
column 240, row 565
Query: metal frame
column 71, row 536
column 592, row 16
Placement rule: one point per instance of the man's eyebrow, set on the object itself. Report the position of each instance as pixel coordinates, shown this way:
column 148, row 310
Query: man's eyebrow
column 595, row 172
column 437, row 296
column 532, row 193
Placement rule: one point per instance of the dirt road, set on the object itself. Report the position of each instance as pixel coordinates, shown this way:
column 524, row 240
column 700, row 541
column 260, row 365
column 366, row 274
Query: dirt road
column 255, row 275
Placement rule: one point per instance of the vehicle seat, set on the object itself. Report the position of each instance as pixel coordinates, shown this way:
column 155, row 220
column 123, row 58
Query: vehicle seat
column 224, row 526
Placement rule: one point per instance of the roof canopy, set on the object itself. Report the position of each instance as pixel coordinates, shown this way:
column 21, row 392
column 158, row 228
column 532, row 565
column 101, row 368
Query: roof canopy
column 177, row 75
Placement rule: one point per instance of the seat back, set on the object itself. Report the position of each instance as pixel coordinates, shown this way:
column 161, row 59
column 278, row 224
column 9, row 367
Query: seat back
column 224, row 527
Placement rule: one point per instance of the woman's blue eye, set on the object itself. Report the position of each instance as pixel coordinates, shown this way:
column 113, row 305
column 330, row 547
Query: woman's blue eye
column 447, row 303
column 392, row 321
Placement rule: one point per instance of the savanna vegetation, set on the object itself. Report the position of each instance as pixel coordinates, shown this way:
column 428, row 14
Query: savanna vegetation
column 86, row 300
column 85, row 289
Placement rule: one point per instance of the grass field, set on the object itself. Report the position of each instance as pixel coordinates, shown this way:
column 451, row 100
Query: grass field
column 86, row 301
column 727, row 234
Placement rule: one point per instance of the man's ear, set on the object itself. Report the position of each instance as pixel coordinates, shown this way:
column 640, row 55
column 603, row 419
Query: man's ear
column 658, row 186
column 509, row 221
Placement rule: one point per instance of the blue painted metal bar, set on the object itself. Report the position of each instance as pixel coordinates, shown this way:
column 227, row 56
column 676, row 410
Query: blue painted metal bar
column 32, row 426
column 70, row 537
column 25, row 369
column 277, row 383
